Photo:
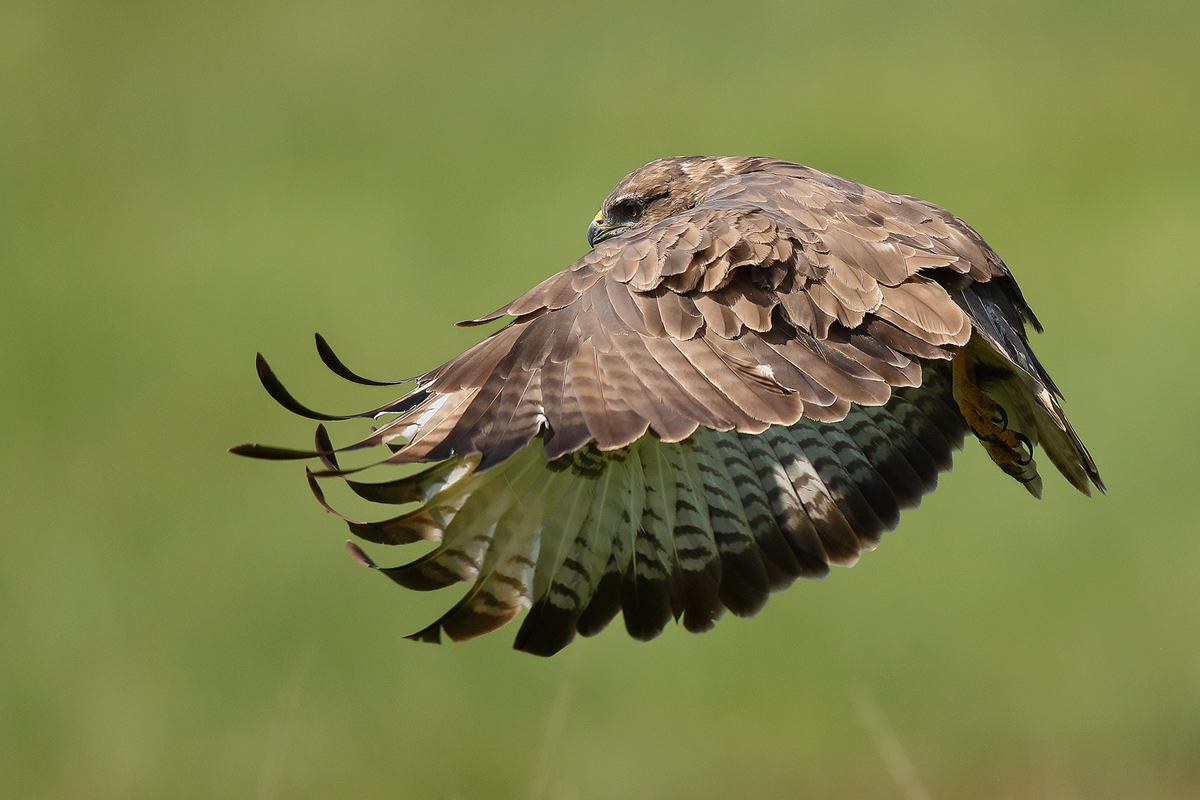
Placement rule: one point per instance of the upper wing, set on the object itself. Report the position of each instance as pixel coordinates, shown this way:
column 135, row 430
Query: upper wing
column 778, row 298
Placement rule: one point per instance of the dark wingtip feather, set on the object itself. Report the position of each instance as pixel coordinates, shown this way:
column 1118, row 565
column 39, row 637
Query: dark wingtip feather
column 325, row 451
column 336, row 473
column 546, row 629
column 359, row 555
column 281, row 395
column 268, row 453
column 745, row 585
column 342, row 371
column 325, row 447
column 647, row 607
column 320, row 495
column 430, row 635
column 603, row 607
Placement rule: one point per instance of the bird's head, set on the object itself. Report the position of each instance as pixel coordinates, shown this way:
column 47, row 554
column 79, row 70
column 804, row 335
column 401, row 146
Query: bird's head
column 656, row 191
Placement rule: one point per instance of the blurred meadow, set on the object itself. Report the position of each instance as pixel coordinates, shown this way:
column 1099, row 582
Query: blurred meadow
column 183, row 184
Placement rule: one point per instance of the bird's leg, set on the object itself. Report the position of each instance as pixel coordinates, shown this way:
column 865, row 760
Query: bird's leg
column 985, row 416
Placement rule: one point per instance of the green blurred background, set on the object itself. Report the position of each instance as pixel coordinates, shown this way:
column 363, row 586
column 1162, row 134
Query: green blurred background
column 183, row 184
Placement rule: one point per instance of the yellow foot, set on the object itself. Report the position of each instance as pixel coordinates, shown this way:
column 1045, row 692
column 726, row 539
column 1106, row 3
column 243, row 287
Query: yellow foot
column 988, row 419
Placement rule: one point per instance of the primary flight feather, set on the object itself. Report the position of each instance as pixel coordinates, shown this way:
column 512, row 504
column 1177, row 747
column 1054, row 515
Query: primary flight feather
column 754, row 370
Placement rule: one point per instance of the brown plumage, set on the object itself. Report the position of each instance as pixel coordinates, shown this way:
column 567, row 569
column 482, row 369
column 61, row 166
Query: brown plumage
column 756, row 367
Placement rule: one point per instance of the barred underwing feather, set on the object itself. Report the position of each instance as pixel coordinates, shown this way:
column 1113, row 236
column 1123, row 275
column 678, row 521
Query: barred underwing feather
column 647, row 586
column 425, row 523
column 755, row 368
column 838, row 486
column 787, row 508
column 467, row 536
column 839, row 545
column 607, row 597
column 495, row 601
column 605, row 603
column 560, row 597
column 906, row 483
column 418, row 488
column 630, row 519
column 864, row 478
column 744, row 580
column 779, row 560
column 560, row 526
column 934, row 399
column 919, row 427
column 909, row 447
column 695, row 543
column 502, row 570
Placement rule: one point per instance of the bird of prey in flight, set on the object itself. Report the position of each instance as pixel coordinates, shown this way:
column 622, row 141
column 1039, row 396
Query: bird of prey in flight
column 755, row 368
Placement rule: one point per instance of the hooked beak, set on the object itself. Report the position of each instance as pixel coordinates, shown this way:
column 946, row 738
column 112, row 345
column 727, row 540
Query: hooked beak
column 597, row 231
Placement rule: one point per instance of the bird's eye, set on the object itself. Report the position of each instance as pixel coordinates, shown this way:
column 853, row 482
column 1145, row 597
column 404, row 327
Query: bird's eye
column 630, row 208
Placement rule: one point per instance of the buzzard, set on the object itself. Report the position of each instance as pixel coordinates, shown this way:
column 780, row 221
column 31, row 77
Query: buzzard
column 755, row 368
